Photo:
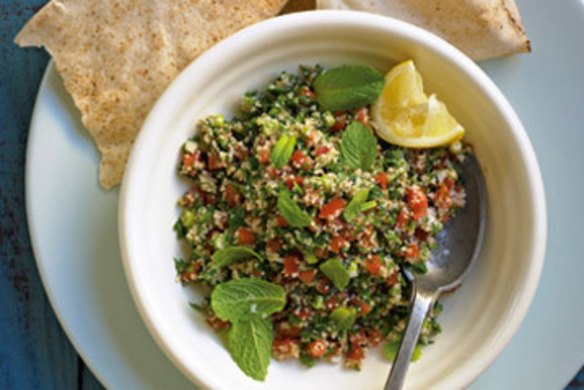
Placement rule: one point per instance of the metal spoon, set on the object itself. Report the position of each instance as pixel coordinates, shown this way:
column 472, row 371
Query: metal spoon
column 459, row 245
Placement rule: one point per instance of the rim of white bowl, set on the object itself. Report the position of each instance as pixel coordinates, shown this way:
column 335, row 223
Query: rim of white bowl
column 288, row 23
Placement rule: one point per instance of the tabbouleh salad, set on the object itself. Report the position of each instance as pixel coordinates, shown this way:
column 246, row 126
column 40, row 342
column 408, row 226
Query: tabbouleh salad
column 300, row 221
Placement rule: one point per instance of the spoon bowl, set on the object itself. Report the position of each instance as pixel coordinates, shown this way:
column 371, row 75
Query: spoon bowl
column 459, row 245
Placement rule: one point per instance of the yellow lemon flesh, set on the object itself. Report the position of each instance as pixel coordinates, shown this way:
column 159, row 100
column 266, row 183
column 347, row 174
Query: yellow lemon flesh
column 403, row 115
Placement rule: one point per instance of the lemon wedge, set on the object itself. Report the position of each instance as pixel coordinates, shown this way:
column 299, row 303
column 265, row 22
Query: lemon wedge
column 404, row 115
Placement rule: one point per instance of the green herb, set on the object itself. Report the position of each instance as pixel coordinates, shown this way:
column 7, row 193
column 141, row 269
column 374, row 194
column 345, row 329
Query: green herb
column 335, row 271
column 358, row 146
column 307, row 361
column 239, row 297
column 250, row 343
column 356, row 204
column 344, row 317
column 283, row 150
column 198, row 307
column 188, row 218
column 180, row 265
column 348, row 86
column 230, row 255
column 419, row 268
column 236, row 218
column 390, row 351
column 291, row 211
column 310, row 258
column 179, row 229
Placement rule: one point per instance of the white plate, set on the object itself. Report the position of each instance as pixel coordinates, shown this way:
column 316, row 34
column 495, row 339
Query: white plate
column 74, row 232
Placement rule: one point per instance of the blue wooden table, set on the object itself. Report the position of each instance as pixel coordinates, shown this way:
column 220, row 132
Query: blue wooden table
column 34, row 351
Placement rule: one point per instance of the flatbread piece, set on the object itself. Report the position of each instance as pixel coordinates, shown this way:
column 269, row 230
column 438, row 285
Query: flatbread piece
column 480, row 28
column 116, row 57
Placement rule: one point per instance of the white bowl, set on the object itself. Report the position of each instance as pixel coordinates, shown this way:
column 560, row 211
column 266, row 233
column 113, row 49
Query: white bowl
column 478, row 320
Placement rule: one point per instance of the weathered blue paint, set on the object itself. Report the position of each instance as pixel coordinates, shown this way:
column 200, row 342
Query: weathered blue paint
column 34, row 352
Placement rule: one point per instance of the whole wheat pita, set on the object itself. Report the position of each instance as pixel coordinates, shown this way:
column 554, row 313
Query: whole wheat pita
column 116, row 57
column 480, row 28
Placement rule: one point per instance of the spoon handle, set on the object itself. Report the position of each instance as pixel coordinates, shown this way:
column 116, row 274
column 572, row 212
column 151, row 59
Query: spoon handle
column 422, row 302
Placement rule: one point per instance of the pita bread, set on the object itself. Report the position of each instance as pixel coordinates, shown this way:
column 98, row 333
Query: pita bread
column 116, row 57
column 480, row 28
column 299, row 6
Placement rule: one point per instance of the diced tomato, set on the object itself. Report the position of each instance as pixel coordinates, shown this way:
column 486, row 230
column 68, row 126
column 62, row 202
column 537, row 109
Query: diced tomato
column 340, row 122
column 374, row 337
column 421, row 234
column 323, row 286
column 348, row 235
column 321, row 150
column 316, row 349
column 337, row 244
column 213, row 162
column 307, row 276
column 290, row 265
column 189, row 159
column 402, row 219
column 381, row 179
column 392, row 279
column 284, row 329
column 358, row 338
column 321, row 252
column 356, row 353
column 292, row 180
column 412, row 251
column 245, row 236
column 333, row 208
column 216, row 323
column 305, row 91
column 264, row 156
column 364, row 307
column 362, row 115
column 333, row 302
column 274, row 245
column 285, row 348
column 449, row 182
column 300, row 160
column 442, row 198
column 273, row 171
column 232, row 196
column 281, row 221
column 417, row 201
column 303, row 313
column 373, row 264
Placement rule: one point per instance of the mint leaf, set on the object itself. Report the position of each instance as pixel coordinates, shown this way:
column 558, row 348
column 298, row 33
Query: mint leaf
column 230, row 255
column 390, row 351
column 250, row 343
column 344, row 317
column 355, row 206
column 291, row 211
column 358, row 146
column 240, row 297
column 334, row 270
column 283, row 150
column 348, row 86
